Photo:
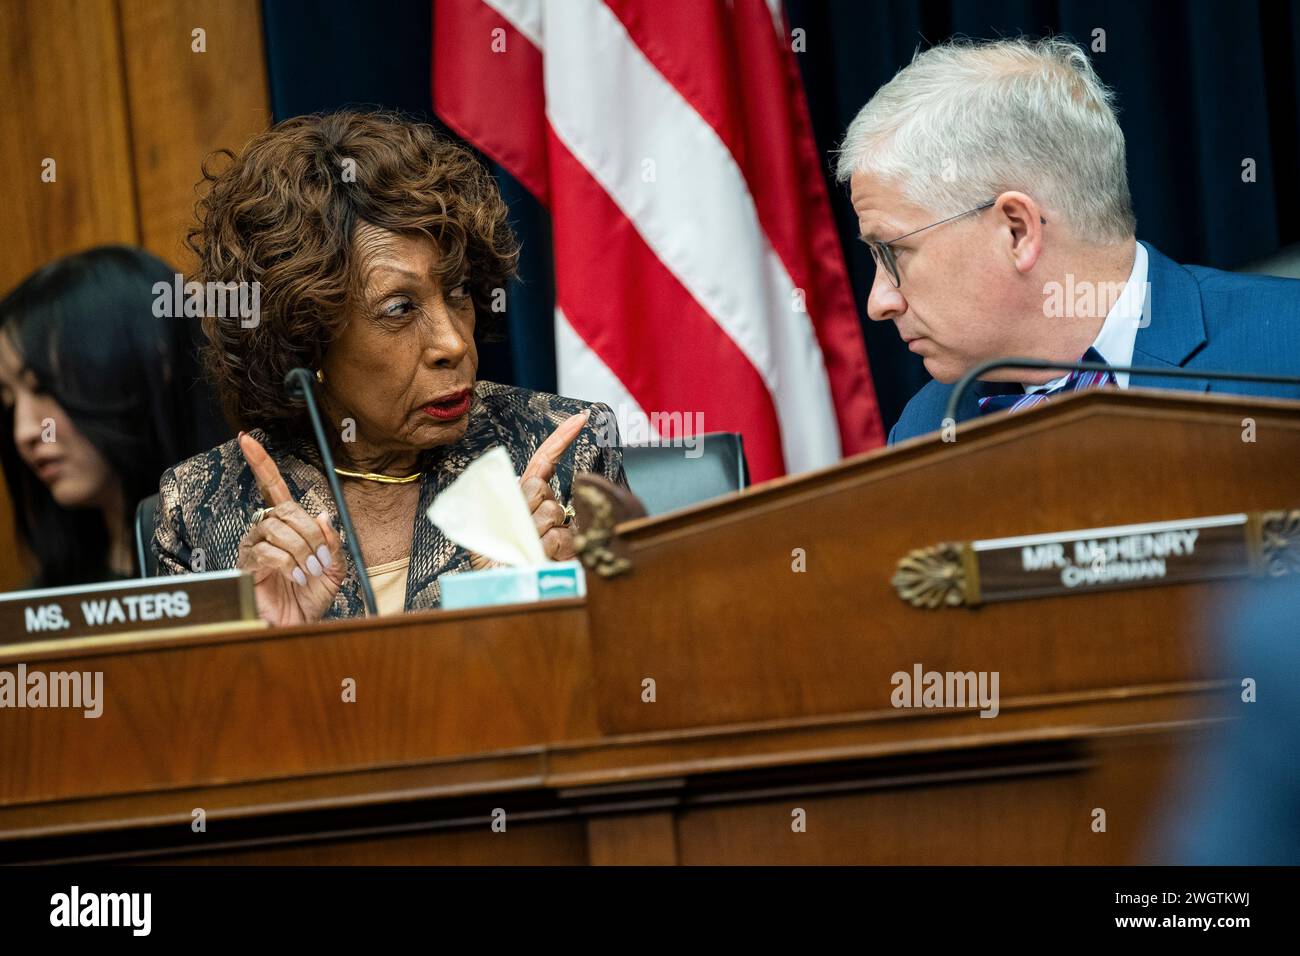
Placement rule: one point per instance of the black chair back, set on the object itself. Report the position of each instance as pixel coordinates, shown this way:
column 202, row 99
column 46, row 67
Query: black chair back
column 665, row 479
column 144, row 556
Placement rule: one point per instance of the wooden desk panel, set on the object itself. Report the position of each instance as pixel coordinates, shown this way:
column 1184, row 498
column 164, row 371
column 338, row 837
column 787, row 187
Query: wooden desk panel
column 773, row 688
column 787, row 644
column 714, row 795
column 268, row 704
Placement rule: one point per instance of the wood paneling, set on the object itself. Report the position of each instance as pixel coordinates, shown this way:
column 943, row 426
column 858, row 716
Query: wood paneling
column 65, row 99
column 555, row 844
column 632, row 839
column 203, row 713
column 1034, row 818
column 185, row 104
column 112, row 92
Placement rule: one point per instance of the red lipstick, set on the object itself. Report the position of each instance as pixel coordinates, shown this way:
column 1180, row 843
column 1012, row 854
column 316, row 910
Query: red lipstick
column 449, row 407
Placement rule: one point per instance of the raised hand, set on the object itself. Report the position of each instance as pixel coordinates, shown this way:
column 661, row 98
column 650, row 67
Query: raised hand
column 296, row 560
column 548, row 513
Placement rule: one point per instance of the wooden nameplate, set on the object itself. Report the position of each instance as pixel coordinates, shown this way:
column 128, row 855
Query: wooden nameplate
column 120, row 607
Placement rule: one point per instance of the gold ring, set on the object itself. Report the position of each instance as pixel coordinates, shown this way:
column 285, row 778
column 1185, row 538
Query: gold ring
column 260, row 514
column 569, row 515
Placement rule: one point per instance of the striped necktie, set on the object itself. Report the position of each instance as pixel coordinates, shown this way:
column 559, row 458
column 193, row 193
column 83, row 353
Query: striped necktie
column 1075, row 382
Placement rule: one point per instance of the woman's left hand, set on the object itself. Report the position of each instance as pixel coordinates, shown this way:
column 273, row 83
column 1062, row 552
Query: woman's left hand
column 548, row 513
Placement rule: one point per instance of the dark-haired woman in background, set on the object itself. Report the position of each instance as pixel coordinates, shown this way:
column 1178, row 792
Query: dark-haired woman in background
column 99, row 398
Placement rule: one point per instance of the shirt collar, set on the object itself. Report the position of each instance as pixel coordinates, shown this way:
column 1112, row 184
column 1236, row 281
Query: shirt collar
column 1119, row 332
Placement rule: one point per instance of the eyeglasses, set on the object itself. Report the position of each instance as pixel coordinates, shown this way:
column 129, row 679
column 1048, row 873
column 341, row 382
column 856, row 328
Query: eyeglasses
column 883, row 252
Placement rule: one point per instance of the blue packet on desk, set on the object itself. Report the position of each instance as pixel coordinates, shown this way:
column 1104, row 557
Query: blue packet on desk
column 513, row 585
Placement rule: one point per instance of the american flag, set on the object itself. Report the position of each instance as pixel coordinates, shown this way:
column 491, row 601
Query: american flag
column 697, row 267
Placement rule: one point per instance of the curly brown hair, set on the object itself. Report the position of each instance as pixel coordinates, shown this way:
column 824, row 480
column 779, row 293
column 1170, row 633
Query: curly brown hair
column 284, row 213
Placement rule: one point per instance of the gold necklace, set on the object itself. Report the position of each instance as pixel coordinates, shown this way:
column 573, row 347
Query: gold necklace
column 382, row 479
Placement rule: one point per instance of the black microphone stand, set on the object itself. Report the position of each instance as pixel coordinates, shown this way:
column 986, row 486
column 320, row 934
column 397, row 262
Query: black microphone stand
column 299, row 380
column 963, row 383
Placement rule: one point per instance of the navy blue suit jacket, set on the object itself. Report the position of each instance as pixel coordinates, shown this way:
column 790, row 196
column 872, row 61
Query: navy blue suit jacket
column 1200, row 318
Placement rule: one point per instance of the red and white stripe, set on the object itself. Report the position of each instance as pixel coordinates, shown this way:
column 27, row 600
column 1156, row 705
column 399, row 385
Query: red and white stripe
column 697, row 266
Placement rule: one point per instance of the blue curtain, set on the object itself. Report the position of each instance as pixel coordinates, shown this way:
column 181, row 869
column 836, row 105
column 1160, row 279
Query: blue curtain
column 1202, row 87
column 325, row 55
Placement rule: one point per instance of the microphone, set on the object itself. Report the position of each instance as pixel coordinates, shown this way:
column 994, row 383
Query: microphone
column 299, row 380
column 963, row 383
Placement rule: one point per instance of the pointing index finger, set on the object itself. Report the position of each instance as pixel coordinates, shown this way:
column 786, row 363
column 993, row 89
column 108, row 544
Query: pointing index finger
column 269, row 482
column 542, row 464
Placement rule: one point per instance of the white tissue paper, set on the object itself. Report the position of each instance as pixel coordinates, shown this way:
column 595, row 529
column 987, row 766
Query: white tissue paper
column 484, row 511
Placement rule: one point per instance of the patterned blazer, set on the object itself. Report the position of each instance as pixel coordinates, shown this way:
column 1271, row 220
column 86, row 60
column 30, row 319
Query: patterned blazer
column 208, row 501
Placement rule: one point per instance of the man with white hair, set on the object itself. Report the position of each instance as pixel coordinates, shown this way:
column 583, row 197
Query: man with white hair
column 989, row 181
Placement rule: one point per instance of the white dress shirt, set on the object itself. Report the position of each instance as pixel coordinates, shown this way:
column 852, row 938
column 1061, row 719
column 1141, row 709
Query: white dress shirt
column 1118, row 333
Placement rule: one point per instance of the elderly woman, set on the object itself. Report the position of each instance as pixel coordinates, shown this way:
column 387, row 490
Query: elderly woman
column 380, row 249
